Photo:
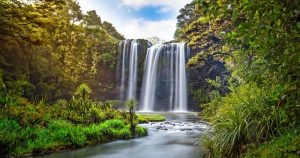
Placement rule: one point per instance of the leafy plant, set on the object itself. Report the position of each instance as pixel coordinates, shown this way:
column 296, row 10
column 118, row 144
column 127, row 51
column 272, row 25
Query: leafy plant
column 83, row 91
column 247, row 115
column 131, row 104
column 286, row 145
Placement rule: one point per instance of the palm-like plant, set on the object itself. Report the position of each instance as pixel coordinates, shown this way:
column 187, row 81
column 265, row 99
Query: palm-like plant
column 83, row 91
column 131, row 104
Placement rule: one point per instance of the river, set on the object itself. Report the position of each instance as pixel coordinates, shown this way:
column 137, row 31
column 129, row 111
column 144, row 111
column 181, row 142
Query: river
column 177, row 137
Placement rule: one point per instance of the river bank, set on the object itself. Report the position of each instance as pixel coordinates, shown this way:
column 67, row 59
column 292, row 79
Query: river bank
column 176, row 137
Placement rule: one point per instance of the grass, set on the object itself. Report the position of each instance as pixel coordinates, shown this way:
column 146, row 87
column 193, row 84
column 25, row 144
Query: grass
column 34, row 128
column 145, row 118
column 59, row 134
column 248, row 115
column 286, row 145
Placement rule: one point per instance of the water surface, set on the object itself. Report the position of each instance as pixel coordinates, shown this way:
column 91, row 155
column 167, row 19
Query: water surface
column 178, row 137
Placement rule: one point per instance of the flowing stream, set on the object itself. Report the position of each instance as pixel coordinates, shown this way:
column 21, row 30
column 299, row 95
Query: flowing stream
column 178, row 137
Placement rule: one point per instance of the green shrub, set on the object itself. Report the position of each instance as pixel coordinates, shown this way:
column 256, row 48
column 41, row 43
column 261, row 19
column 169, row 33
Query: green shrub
column 83, row 111
column 115, row 124
column 59, row 134
column 287, row 145
column 28, row 115
column 7, row 100
column 27, row 128
column 62, row 103
column 83, row 91
column 9, row 136
column 97, row 115
column 141, row 131
column 210, row 109
column 248, row 115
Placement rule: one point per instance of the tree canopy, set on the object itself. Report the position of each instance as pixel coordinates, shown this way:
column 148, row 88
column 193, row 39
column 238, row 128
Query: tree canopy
column 48, row 48
column 259, row 43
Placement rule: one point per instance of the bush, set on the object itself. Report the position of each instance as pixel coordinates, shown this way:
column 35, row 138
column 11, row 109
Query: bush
column 27, row 128
column 59, row 134
column 83, row 91
column 9, row 136
column 6, row 100
column 28, row 115
column 248, row 115
column 141, row 131
column 287, row 145
column 83, row 111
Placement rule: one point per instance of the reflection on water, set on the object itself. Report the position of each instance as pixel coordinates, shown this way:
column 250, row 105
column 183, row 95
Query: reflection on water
column 177, row 137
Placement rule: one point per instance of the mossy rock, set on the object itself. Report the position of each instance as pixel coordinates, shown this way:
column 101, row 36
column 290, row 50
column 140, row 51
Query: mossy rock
column 145, row 118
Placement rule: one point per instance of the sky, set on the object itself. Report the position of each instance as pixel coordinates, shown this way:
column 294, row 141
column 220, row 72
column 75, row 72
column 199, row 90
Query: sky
column 138, row 18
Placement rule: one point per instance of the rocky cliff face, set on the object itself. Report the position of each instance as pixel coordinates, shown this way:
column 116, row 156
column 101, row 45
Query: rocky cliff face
column 207, row 68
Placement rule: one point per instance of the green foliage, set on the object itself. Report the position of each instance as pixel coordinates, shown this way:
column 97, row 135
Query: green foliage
column 55, row 35
column 259, row 42
column 216, row 83
column 37, row 128
column 131, row 104
column 92, row 19
column 201, row 95
column 59, row 134
column 286, row 145
column 83, row 111
column 47, row 48
column 7, row 100
column 141, row 131
column 249, row 114
column 210, row 108
column 83, row 91
column 145, row 118
column 27, row 114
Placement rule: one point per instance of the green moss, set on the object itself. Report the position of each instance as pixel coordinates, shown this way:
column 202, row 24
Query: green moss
column 145, row 118
column 286, row 145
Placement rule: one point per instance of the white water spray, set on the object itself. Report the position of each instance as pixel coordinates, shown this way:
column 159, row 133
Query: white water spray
column 129, row 62
column 165, row 62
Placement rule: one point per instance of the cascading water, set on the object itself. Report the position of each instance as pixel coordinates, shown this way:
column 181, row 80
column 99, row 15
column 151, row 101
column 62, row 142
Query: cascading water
column 128, row 63
column 165, row 78
column 164, row 84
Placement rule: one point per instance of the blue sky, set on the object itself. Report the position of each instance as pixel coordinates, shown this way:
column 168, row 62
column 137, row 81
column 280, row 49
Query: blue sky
column 138, row 18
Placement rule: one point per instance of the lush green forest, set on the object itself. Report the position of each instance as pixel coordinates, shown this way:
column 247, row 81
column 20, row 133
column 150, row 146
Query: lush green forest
column 56, row 64
column 58, row 77
column 259, row 43
column 50, row 47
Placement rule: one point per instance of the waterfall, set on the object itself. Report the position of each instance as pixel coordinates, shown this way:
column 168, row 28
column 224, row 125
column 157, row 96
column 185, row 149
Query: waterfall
column 154, row 75
column 165, row 78
column 129, row 64
column 132, row 71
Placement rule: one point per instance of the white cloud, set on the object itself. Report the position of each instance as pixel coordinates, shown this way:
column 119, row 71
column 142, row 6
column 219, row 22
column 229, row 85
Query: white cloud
column 141, row 28
column 121, row 16
column 166, row 5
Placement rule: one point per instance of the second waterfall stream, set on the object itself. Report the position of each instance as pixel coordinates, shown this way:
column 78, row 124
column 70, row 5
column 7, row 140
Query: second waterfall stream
column 163, row 76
